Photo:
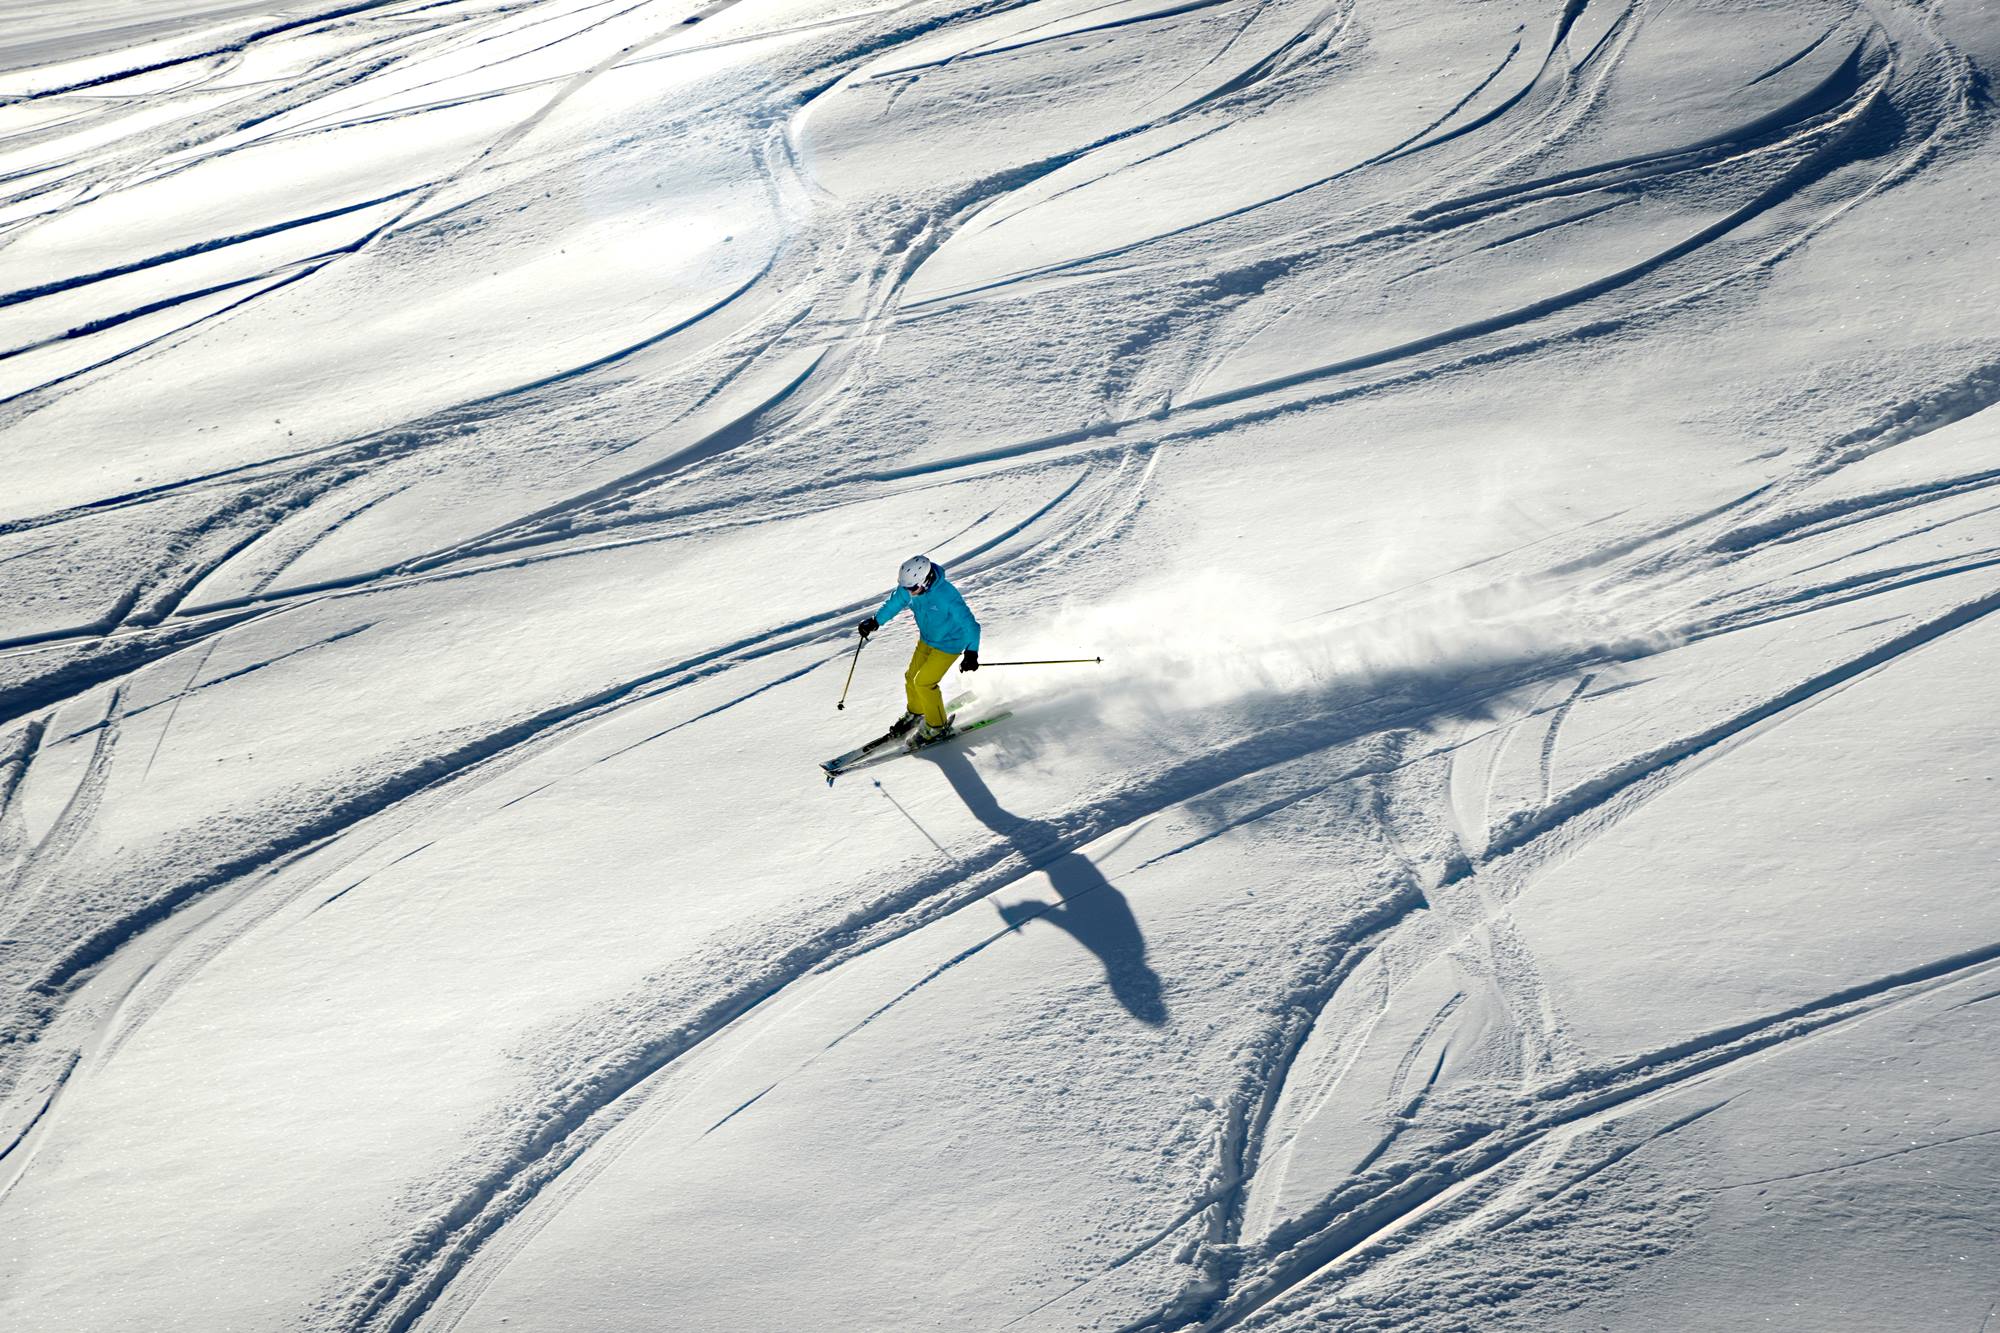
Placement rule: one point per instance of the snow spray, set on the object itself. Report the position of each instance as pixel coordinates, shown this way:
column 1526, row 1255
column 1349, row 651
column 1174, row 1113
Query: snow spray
column 1214, row 641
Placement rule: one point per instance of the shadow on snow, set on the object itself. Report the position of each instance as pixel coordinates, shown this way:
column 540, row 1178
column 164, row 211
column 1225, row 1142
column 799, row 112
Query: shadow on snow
column 1087, row 905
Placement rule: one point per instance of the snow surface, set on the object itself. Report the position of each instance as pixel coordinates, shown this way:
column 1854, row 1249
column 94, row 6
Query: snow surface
column 1527, row 860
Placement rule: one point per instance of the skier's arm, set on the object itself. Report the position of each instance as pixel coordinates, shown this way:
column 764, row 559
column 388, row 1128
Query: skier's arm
column 972, row 624
column 893, row 606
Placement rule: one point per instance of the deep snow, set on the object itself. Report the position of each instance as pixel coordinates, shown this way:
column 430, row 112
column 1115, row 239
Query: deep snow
column 1526, row 861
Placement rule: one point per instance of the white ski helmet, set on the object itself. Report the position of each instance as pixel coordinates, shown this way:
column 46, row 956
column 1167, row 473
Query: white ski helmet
column 916, row 573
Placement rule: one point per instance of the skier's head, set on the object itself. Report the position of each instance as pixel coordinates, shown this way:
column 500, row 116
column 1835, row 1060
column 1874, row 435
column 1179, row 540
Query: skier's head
column 917, row 575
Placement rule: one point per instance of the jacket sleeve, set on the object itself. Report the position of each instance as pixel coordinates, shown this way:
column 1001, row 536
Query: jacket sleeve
column 967, row 621
column 892, row 607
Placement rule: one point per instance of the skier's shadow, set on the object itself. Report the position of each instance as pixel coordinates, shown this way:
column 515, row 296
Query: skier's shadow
column 1086, row 906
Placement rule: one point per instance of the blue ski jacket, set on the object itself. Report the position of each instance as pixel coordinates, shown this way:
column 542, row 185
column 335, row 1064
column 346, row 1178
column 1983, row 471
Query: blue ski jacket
column 943, row 619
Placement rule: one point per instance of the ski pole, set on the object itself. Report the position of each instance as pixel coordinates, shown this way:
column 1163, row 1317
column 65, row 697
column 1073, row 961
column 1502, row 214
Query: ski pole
column 1046, row 661
column 850, row 674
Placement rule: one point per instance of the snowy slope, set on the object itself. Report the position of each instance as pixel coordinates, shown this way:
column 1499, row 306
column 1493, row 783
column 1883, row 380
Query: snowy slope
column 1526, row 861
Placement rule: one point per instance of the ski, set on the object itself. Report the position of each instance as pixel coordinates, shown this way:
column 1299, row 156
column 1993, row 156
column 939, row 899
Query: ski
column 956, row 732
column 839, row 764
column 875, row 754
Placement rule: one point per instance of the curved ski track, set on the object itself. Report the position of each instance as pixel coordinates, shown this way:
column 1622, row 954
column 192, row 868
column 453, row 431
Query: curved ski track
column 838, row 290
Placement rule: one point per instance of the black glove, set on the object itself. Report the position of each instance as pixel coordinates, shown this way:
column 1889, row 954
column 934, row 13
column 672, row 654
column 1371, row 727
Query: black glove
column 970, row 662
column 867, row 627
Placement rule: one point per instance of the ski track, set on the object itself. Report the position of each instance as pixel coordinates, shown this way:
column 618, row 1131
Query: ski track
column 965, row 882
column 963, row 888
column 1374, row 1212
column 839, row 290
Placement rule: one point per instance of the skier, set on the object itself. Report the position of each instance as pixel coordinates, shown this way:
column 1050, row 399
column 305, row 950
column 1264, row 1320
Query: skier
column 945, row 628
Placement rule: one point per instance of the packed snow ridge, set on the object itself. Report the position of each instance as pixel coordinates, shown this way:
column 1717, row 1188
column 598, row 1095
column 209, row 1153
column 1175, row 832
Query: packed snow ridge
column 1525, row 861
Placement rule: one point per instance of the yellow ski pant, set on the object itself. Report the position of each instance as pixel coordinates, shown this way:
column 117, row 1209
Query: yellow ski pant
column 920, row 682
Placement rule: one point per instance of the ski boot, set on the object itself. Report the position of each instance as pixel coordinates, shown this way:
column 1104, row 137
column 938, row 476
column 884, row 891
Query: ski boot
column 930, row 735
column 901, row 726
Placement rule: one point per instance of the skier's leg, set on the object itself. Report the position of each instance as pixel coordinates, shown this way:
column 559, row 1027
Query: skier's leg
column 920, row 656
column 925, row 696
